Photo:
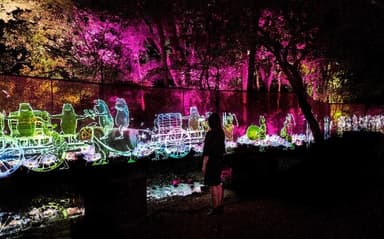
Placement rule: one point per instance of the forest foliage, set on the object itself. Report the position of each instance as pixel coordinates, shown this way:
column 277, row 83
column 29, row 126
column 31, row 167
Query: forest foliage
column 214, row 44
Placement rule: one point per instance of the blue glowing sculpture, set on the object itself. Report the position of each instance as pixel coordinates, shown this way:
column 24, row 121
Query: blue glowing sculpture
column 105, row 118
column 122, row 115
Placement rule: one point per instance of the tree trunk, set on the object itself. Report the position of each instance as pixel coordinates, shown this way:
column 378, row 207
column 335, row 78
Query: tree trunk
column 217, row 101
column 207, row 77
column 279, row 82
column 138, row 68
column 164, row 56
column 251, row 68
column 180, row 52
column 296, row 82
column 244, row 74
column 307, row 111
column 269, row 79
column 257, row 82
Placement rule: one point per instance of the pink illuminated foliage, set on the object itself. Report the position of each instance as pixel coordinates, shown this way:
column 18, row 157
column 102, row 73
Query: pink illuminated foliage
column 170, row 43
column 213, row 44
column 194, row 56
column 96, row 44
column 191, row 47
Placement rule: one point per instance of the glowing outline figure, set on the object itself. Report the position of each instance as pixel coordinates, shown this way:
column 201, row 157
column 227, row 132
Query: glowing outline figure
column 122, row 116
column 68, row 119
column 22, row 123
column 263, row 127
column 11, row 158
column 197, row 128
column 102, row 140
column 229, row 123
column 287, row 130
column 105, row 118
column 194, row 117
column 255, row 132
column 170, row 137
column 32, row 142
column 31, row 134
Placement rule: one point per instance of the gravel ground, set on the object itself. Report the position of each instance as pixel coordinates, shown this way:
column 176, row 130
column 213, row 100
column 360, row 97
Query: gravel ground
column 279, row 213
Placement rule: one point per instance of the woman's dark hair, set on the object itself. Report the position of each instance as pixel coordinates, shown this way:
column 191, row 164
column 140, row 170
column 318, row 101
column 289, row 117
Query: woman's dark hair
column 214, row 121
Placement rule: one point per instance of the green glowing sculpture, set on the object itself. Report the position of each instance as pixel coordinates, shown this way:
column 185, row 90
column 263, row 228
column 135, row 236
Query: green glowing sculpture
column 263, row 127
column 229, row 121
column 68, row 119
column 22, row 122
column 1, row 124
column 287, row 130
column 255, row 132
column 42, row 122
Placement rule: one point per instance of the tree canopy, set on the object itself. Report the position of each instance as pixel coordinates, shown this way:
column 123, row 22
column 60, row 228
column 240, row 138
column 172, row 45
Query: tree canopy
column 326, row 50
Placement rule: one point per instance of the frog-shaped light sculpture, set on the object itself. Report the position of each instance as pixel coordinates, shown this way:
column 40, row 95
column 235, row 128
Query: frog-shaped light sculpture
column 68, row 119
column 122, row 116
column 255, row 132
column 105, row 118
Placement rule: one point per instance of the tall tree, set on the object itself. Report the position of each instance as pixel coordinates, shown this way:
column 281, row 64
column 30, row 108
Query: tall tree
column 155, row 14
column 289, row 34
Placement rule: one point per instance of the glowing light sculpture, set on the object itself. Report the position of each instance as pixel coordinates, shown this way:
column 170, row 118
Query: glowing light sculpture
column 255, row 132
column 287, row 130
column 229, row 123
column 257, row 136
column 197, row 128
column 11, row 157
column 122, row 115
column 144, row 142
column 111, row 141
column 91, row 151
column 32, row 131
column 170, row 136
column 327, row 127
column 108, row 141
column 101, row 111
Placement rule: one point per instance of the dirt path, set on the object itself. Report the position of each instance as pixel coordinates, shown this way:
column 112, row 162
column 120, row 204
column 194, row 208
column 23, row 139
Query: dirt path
column 260, row 217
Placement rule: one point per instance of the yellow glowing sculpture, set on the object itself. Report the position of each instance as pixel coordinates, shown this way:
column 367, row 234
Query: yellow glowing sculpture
column 229, row 123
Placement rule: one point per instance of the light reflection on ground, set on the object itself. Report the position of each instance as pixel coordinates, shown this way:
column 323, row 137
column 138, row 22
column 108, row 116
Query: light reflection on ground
column 48, row 211
column 163, row 186
column 159, row 192
column 41, row 213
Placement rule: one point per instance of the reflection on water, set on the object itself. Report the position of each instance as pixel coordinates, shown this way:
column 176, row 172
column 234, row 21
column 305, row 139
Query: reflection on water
column 40, row 213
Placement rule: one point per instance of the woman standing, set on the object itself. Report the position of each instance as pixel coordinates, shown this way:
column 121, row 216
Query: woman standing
column 213, row 153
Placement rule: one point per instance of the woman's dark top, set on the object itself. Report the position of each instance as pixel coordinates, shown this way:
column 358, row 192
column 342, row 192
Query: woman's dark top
column 214, row 148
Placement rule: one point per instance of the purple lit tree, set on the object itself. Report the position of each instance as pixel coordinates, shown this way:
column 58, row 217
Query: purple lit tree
column 290, row 35
column 213, row 44
column 96, row 44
